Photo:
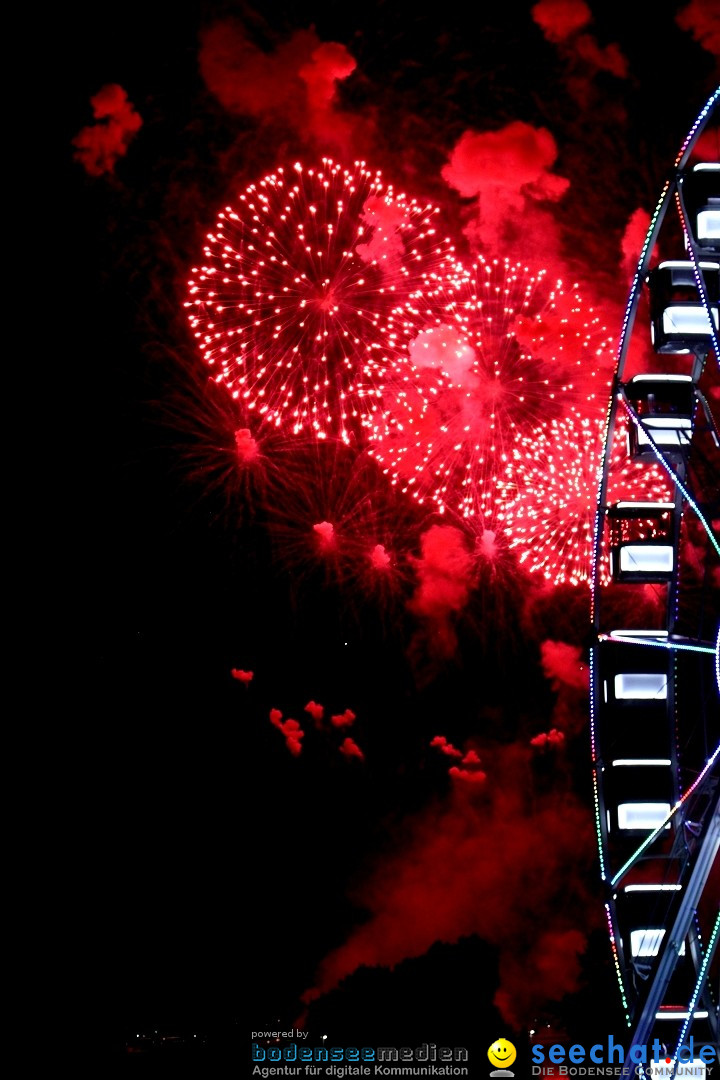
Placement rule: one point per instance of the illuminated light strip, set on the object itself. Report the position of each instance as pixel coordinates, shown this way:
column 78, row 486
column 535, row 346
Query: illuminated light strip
column 676, row 711
column 654, row 835
column 592, row 704
column 639, row 424
column 711, row 650
column 596, row 795
column 641, row 761
column 618, row 972
column 638, row 272
column 701, row 1014
column 709, row 105
column 652, row 888
column 679, row 1014
column 596, row 800
column 717, row 660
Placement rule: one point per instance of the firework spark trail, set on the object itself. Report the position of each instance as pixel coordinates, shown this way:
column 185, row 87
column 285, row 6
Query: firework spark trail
column 503, row 350
column 329, row 306
column 333, row 521
column 550, row 518
column 292, row 304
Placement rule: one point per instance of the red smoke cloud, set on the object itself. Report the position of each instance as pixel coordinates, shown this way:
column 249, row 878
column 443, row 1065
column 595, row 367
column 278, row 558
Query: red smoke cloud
column 248, row 81
column 470, row 773
column 561, row 22
column 316, row 711
column 444, row 573
column 553, row 960
column 570, row 679
column 560, row 19
column 701, row 18
column 508, row 172
column 553, row 740
column 350, row 749
column 325, row 532
column 242, row 676
column 295, row 83
column 445, row 747
column 513, row 162
column 563, row 666
column 98, row 146
column 632, row 241
column 343, row 719
column 247, row 447
column 379, row 558
column 290, row 729
column 499, row 864
column 468, row 776
column 329, row 64
column 469, row 770
column 602, row 58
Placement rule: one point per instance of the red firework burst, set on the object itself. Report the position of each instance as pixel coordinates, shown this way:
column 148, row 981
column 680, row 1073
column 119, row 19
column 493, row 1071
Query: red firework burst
column 338, row 522
column 292, row 303
column 550, row 518
column 221, row 450
column 499, row 349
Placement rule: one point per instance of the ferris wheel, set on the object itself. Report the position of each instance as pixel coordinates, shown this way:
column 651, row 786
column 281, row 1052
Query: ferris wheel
column 654, row 654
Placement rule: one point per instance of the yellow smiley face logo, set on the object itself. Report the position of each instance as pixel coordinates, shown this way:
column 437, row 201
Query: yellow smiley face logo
column 502, row 1053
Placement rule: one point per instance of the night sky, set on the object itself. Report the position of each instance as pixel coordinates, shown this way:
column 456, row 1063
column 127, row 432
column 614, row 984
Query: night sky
column 210, row 879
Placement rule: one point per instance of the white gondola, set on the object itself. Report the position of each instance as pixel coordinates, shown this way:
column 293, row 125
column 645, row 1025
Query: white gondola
column 639, row 558
column 665, row 406
column 679, row 321
column 701, row 195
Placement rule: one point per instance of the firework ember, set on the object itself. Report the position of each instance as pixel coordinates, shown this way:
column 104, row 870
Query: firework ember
column 292, row 303
column 502, row 350
column 550, row 519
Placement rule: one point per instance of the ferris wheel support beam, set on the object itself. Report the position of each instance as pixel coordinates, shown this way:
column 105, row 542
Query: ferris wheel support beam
column 670, row 949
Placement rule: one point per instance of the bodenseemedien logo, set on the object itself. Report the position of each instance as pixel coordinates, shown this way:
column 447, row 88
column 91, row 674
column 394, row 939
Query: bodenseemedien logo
column 501, row 1054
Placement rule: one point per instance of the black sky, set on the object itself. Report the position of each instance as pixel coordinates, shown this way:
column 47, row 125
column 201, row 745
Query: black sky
column 201, row 872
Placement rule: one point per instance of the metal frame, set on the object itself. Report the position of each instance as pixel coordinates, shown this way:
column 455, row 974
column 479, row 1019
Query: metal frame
column 691, row 843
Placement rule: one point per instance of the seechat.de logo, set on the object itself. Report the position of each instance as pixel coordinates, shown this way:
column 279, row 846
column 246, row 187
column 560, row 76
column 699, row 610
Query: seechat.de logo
column 501, row 1054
